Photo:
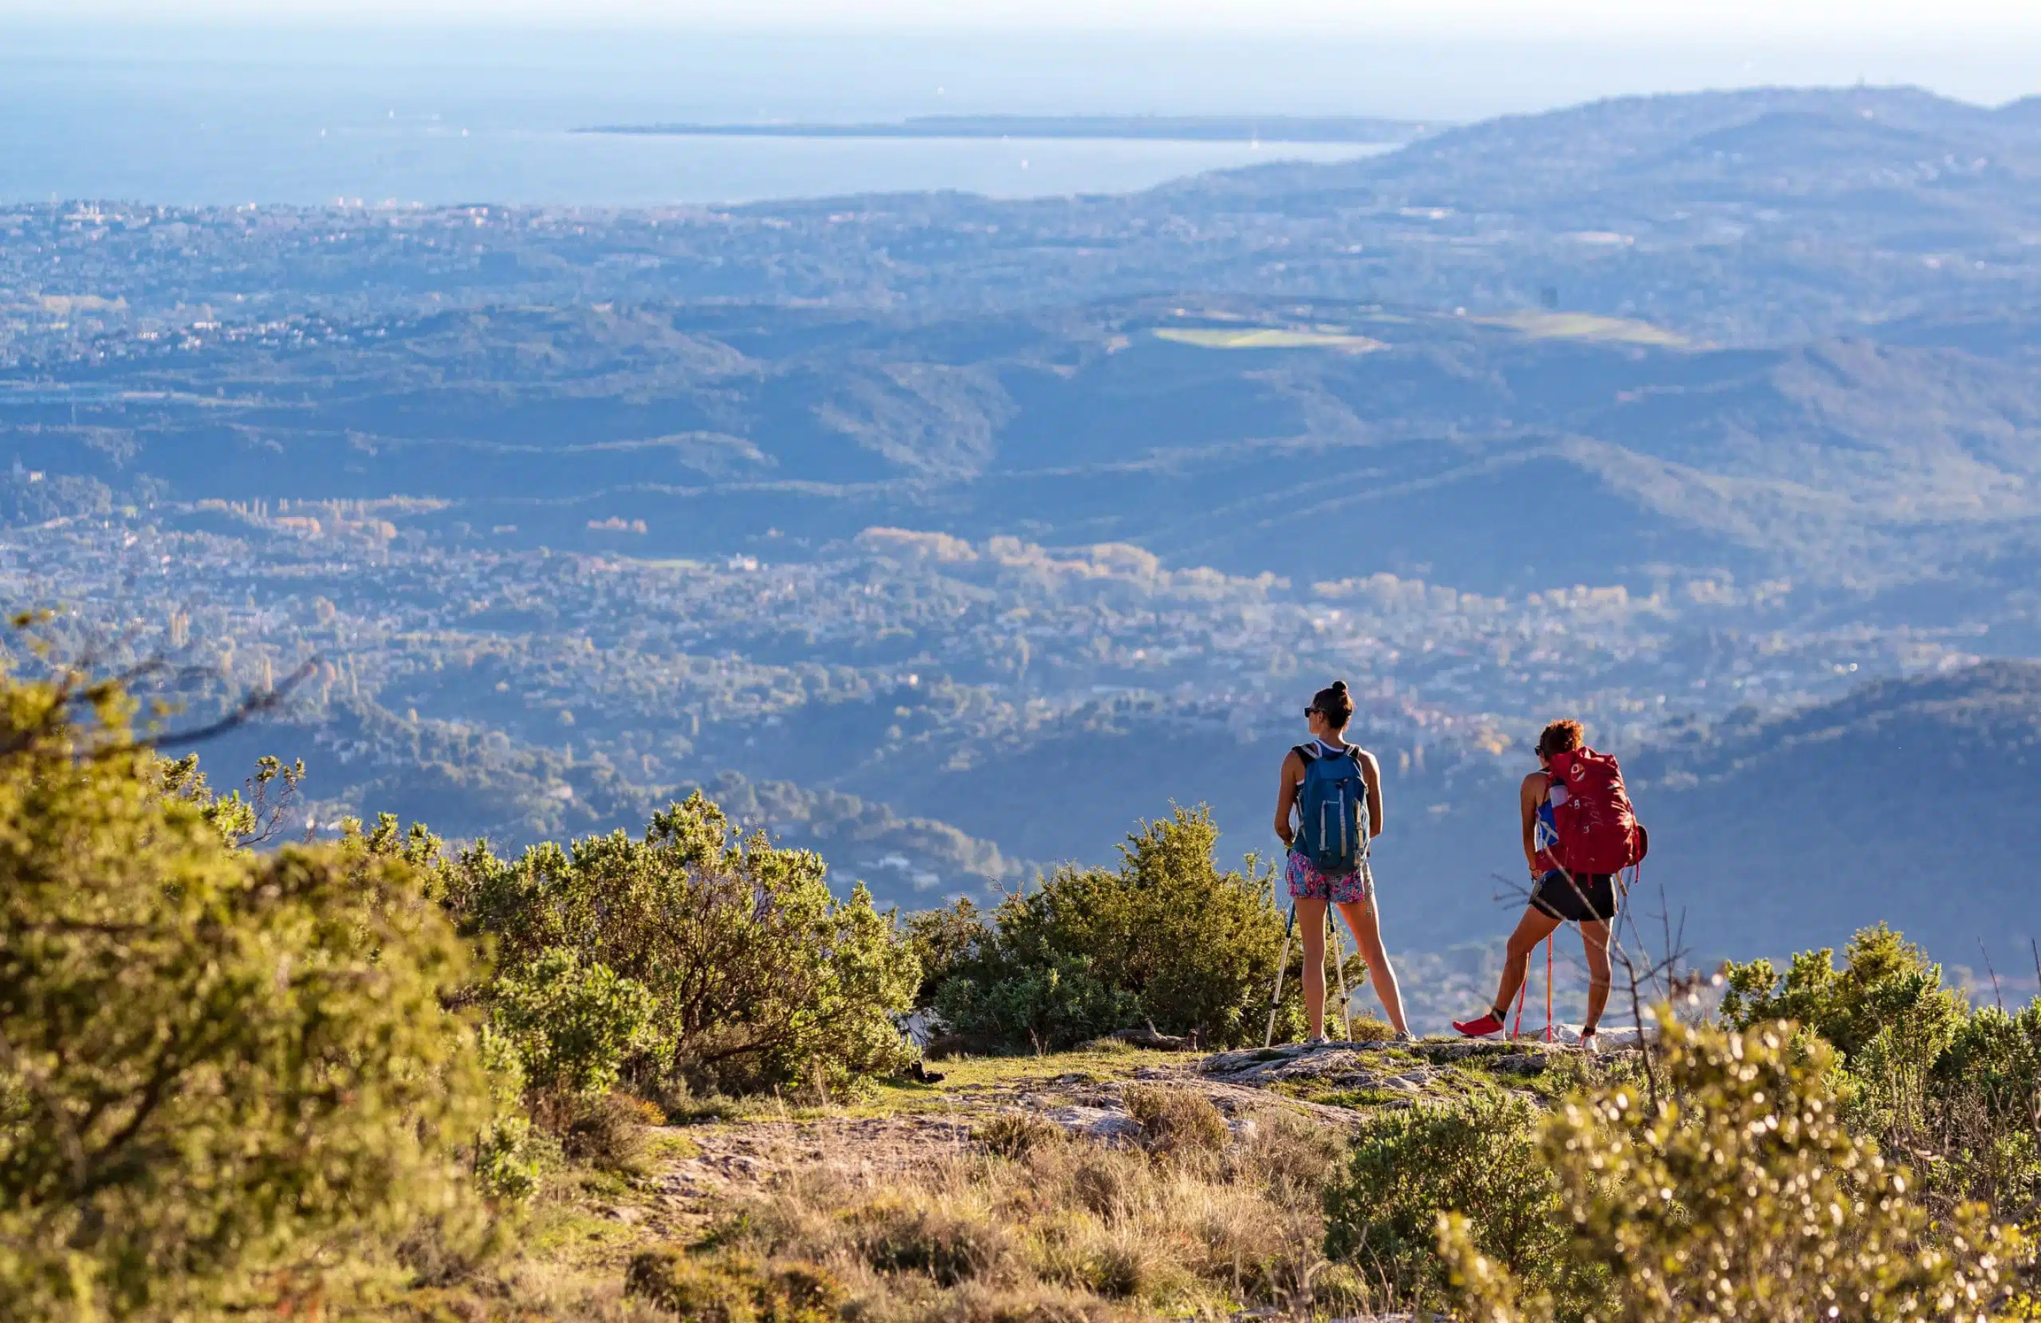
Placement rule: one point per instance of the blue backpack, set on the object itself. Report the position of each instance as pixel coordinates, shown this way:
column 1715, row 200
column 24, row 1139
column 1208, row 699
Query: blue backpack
column 1332, row 811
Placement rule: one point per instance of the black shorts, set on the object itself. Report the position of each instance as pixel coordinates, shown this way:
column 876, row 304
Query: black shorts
column 1589, row 897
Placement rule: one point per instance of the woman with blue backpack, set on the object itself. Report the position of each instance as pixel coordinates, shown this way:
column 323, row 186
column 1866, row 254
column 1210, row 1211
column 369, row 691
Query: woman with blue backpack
column 1328, row 807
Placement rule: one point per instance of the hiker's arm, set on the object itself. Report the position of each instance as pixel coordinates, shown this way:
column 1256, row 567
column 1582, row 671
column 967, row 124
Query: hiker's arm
column 1286, row 795
column 1532, row 795
column 1371, row 773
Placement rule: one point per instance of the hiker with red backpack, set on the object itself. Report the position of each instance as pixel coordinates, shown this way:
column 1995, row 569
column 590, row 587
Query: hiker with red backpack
column 1579, row 834
column 1328, row 806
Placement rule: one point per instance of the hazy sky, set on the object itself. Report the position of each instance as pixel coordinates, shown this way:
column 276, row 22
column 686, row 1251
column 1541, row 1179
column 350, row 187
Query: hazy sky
column 767, row 59
column 1871, row 21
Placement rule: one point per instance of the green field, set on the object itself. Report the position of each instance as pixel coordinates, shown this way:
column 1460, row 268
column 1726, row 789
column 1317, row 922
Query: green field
column 1585, row 326
column 1269, row 337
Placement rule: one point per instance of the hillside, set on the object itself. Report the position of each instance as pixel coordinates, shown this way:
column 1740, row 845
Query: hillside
column 1910, row 800
column 1416, row 443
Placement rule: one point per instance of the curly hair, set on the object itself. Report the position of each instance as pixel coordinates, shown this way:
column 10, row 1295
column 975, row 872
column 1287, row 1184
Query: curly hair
column 1560, row 737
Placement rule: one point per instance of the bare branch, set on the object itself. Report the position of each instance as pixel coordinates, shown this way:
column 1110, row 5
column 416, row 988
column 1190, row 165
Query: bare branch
column 1996, row 995
column 253, row 704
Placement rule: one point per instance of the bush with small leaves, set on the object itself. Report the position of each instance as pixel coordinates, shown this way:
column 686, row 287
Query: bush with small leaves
column 694, row 1289
column 505, row 1162
column 943, row 940
column 574, row 1021
column 1165, row 939
column 758, row 977
column 210, row 1061
column 1919, row 1071
column 1741, row 1194
column 605, row 1130
column 1370, row 1029
column 1887, row 994
column 1478, row 1157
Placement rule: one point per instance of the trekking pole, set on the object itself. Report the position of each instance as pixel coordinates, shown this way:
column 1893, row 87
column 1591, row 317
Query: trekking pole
column 1548, row 988
column 1346, row 1023
column 1523, row 990
column 1282, row 964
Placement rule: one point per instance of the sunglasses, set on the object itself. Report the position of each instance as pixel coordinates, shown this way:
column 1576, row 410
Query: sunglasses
column 1311, row 712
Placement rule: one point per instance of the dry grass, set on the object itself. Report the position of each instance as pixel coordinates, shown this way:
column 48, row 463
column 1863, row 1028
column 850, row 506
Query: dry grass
column 1197, row 1226
column 903, row 1217
column 1175, row 1119
column 1012, row 1134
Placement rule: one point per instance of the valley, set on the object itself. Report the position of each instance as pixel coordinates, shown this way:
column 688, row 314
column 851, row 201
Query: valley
column 952, row 537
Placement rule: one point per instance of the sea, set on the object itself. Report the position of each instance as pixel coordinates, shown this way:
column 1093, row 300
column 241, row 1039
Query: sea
column 240, row 118
column 154, row 112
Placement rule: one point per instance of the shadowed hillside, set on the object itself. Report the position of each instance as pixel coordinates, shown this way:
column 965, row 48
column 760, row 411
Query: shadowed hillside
column 1914, row 800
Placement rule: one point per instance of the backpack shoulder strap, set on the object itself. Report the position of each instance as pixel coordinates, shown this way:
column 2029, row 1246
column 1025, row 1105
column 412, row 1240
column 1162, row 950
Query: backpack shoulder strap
column 1304, row 752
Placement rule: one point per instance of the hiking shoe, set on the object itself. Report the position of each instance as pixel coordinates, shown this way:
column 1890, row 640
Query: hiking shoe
column 1316, row 1041
column 1488, row 1022
column 1590, row 1044
column 1406, row 1037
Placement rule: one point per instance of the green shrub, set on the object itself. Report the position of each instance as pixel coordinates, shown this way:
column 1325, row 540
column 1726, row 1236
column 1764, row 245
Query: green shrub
column 574, row 1021
column 1917, row 1070
column 1045, row 1006
column 733, row 1289
column 943, row 940
column 1405, row 1169
column 505, row 1159
column 758, row 977
column 1887, row 992
column 1742, row 1195
column 210, row 1061
column 1165, row 938
column 1998, row 1055
column 1369, row 1029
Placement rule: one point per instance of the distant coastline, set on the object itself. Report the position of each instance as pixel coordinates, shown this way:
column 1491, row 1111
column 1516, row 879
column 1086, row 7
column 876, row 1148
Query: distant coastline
column 1176, row 128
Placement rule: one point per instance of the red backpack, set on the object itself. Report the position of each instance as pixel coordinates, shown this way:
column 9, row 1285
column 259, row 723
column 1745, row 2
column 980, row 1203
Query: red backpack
column 1598, row 830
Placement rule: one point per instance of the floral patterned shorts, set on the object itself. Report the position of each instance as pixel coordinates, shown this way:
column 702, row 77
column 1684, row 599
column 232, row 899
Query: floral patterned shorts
column 1307, row 883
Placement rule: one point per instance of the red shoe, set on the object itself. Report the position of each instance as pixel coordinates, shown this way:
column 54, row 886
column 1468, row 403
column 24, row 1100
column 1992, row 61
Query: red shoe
column 1488, row 1023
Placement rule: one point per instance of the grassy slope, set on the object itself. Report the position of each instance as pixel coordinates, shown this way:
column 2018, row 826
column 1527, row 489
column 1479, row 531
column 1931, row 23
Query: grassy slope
column 900, row 1199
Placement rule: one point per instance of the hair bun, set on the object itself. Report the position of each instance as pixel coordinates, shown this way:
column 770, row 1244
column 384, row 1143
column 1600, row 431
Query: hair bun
column 1340, row 685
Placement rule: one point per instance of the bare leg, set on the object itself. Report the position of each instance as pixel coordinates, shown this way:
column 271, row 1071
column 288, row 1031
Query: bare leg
column 1311, row 926
column 1594, row 938
column 1533, row 928
column 1367, row 930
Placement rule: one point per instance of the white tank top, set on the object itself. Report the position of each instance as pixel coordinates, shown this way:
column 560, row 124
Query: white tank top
column 1324, row 750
